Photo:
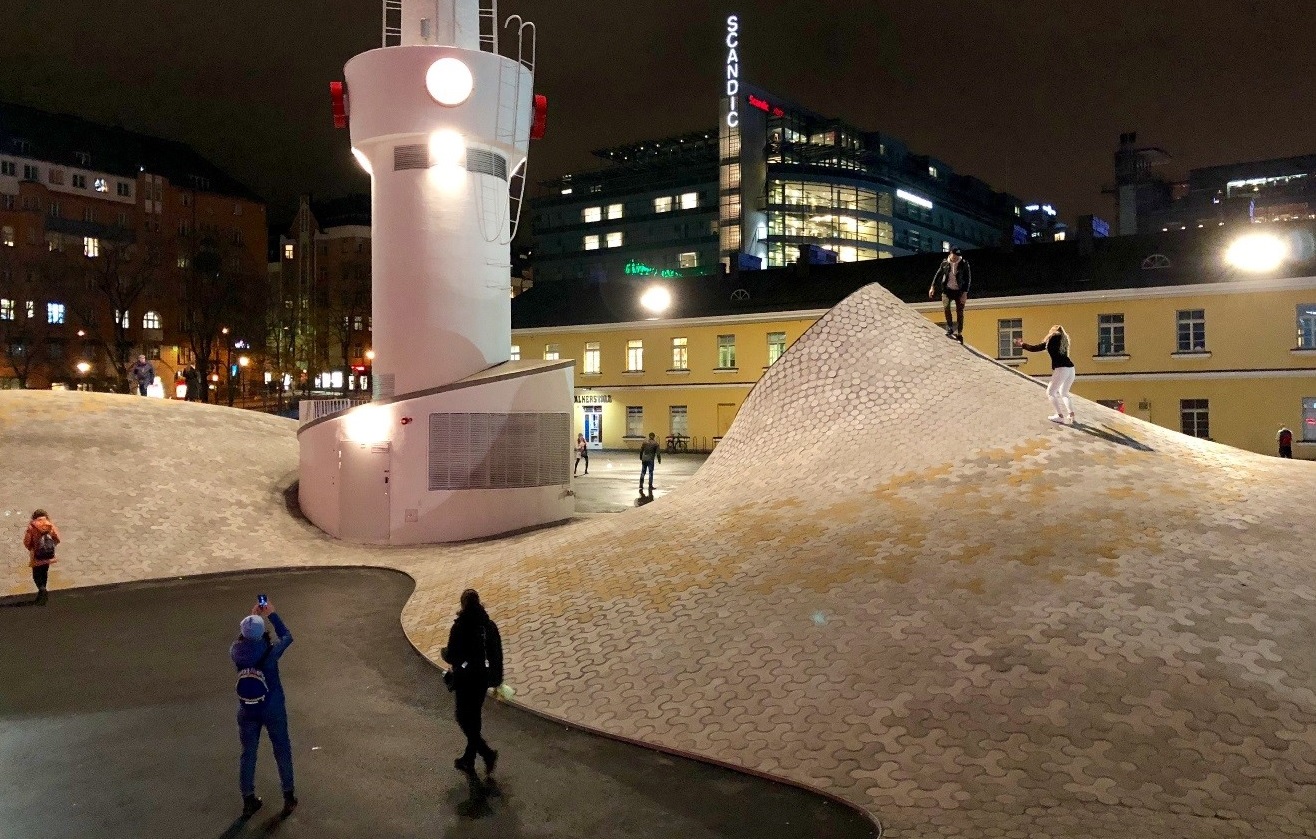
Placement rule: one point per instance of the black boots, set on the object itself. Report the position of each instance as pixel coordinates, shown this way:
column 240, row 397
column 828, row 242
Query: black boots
column 250, row 804
column 289, row 803
column 490, row 761
column 42, row 597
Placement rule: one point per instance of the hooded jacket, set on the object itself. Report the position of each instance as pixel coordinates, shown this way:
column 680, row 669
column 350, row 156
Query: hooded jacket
column 963, row 276
column 37, row 527
column 475, row 650
column 247, row 653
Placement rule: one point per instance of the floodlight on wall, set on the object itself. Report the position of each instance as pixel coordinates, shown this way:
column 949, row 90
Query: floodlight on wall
column 367, row 424
column 656, row 299
column 1257, row 252
column 363, row 161
column 449, row 81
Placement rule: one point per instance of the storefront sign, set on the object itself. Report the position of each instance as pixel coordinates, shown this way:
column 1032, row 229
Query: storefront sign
column 593, row 398
column 733, row 71
column 765, row 106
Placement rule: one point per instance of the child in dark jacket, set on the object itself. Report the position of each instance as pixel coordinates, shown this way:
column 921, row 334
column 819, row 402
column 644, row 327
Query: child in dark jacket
column 41, row 550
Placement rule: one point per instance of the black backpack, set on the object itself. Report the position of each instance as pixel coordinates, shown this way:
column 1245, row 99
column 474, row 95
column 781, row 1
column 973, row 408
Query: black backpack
column 45, row 548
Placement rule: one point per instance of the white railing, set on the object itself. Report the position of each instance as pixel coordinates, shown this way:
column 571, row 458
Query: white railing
column 313, row 409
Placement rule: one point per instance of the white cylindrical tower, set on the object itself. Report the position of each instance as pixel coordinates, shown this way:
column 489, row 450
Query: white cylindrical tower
column 441, row 127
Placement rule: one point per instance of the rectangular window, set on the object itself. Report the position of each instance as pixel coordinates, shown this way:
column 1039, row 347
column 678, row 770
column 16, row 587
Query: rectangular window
column 53, row 210
column 776, row 346
column 592, row 357
column 8, row 168
column 54, row 313
column 31, row 173
column 634, row 421
column 7, row 236
column 690, row 201
column 123, row 189
column 515, row 354
column 1308, row 418
column 662, row 205
column 79, row 181
column 615, row 239
column 1194, row 417
column 31, row 309
column 151, row 320
column 289, row 251
column 680, row 421
column 1007, row 330
column 552, row 352
column 91, row 247
column 1306, row 325
column 1110, row 334
column 726, row 351
column 680, row 354
column 591, row 214
column 688, row 260
column 123, row 317
column 182, row 261
column 56, row 176
column 614, row 211
column 6, row 309
column 634, row 356
column 1191, row 330
column 100, row 185
column 591, row 243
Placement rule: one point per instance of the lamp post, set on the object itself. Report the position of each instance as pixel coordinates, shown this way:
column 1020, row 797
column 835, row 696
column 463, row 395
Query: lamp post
column 83, row 369
column 370, row 372
column 243, row 361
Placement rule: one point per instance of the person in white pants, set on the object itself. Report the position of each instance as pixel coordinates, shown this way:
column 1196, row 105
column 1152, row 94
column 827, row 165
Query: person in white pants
column 1056, row 345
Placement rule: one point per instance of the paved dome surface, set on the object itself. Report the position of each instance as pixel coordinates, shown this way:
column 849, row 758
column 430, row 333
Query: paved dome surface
column 894, row 580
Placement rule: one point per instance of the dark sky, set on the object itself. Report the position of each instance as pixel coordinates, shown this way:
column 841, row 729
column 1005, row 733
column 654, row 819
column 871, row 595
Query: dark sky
column 1029, row 96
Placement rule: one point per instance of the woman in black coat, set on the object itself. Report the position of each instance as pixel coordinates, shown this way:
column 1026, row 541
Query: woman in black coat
column 475, row 651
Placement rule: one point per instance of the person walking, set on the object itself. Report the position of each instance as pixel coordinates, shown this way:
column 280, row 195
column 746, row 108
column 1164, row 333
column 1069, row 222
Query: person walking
column 1062, row 371
column 40, row 539
column 1284, row 438
column 143, row 374
column 475, row 651
column 192, row 381
column 649, row 451
column 953, row 278
column 582, row 453
column 261, row 703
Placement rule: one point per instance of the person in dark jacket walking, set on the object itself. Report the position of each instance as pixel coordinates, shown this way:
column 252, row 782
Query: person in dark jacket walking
column 649, row 451
column 1284, row 439
column 256, row 651
column 1062, row 371
column 142, row 374
column 953, row 278
column 40, row 539
column 475, row 651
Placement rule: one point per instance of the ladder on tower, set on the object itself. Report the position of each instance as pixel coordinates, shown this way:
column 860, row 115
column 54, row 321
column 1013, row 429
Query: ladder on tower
column 392, row 23
column 489, row 26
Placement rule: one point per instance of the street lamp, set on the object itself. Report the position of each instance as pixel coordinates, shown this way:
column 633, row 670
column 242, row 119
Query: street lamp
column 243, row 361
column 83, row 369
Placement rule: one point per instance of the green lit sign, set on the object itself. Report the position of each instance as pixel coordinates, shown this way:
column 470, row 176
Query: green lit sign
column 639, row 269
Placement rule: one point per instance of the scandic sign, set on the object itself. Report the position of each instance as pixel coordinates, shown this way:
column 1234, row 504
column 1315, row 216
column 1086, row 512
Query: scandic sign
column 733, row 71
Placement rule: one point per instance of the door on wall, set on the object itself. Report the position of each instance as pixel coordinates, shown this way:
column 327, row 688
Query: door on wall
column 726, row 414
column 363, row 482
column 594, row 426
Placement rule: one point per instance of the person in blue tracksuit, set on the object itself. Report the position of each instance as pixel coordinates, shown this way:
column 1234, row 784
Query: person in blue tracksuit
column 256, row 650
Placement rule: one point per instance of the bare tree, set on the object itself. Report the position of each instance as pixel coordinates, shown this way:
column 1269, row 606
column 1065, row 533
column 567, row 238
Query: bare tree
column 115, row 282
column 220, row 292
column 23, row 328
column 349, row 306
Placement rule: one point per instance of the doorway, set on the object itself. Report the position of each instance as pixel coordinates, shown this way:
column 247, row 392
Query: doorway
column 594, row 426
column 363, row 487
column 726, row 414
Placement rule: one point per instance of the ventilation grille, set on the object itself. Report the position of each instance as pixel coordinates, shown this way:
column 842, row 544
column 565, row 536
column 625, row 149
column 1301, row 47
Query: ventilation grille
column 385, row 385
column 488, row 162
column 411, row 157
column 499, row 451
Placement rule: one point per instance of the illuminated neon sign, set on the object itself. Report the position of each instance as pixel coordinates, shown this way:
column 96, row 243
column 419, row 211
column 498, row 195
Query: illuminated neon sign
column 733, row 71
column 639, row 269
column 916, row 200
column 765, row 106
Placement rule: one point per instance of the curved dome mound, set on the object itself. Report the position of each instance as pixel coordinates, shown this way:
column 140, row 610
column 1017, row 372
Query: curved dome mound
column 894, row 580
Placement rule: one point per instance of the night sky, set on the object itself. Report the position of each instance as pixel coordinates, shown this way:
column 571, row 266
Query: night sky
column 1028, row 96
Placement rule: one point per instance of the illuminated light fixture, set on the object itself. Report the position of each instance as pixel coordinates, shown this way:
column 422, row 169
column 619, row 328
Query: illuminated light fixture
column 1257, row 252
column 449, row 81
column 447, row 148
column 363, row 161
column 367, row 424
column 84, row 367
column 656, row 299
column 916, row 200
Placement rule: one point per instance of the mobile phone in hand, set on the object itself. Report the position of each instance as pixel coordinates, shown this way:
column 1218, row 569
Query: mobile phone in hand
column 262, row 600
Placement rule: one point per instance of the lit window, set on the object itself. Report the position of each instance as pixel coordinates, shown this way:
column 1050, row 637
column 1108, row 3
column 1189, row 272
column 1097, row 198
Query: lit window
column 91, row 246
column 31, row 309
column 1110, row 334
column 289, row 251
column 592, row 357
column 1307, row 326
column 101, row 185
column 680, row 420
column 182, row 261
column 662, row 205
column 615, row 239
column 6, row 309
column 7, row 236
column 123, row 318
column 1191, row 328
column 688, row 260
column 551, row 352
column 614, row 211
column 515, row 354
column 726, row 351
column 1195, row 417
column 54, row 313
column 634, row 421
column 1007, row 331
column 591, row 214
column 591, row 243
column 680, row 354
column 690, row 201
column 776, row 346
column 634, row 356
column 932, row 170
column 151, row 320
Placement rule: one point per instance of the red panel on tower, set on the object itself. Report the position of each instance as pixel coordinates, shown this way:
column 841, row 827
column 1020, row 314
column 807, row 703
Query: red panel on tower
column 541, row 117
column 338, row 93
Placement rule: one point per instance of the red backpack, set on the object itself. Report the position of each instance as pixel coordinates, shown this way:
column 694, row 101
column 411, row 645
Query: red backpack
column 1286, row 438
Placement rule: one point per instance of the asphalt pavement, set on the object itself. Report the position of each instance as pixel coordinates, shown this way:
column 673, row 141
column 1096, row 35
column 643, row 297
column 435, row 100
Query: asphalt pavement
column 612, row 484
column 117, row 720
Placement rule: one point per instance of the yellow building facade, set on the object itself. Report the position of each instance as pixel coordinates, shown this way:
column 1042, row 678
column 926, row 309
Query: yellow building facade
column 1232, row 361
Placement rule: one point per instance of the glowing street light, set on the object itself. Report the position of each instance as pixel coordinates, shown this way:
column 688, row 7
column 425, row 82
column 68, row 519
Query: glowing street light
column 1257, row 252
column 243, row 361
column 656, row 299
column 370, row 355
column 84, row 368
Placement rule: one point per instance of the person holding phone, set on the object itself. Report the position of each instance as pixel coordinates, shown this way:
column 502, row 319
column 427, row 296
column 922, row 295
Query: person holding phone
column 261, row 703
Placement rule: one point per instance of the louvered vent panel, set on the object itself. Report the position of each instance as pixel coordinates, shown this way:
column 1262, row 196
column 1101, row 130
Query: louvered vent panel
column 499, row 451
column 385, row 384
column 411, row 157
column 488, row 162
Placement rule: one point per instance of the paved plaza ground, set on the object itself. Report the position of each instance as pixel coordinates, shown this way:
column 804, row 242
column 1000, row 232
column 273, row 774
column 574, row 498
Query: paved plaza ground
column 121, row 725
column 894, row 581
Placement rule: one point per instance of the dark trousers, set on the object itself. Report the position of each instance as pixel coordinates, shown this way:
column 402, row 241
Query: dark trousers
column 141, row 388
column 956, row 325
column 274, row 721
column 40, row 573
column 646, row 466
column 579, row 458
column 1286, row 451
column 470, row 706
